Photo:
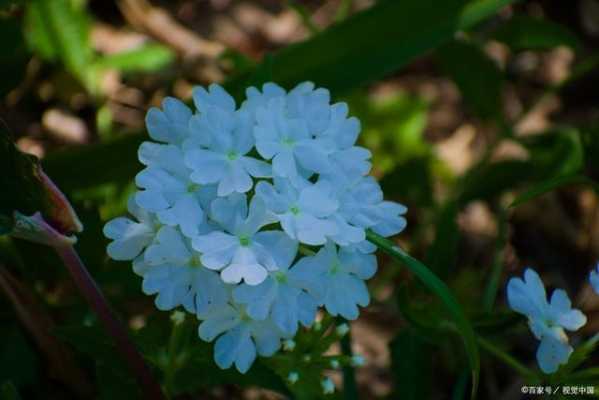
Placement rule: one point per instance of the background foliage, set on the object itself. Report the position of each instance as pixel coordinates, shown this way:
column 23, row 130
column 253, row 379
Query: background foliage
column 482, row 117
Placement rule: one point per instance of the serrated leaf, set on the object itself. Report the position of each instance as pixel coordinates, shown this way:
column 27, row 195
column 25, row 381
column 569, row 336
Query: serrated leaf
column 476, row 75
column 527, row 33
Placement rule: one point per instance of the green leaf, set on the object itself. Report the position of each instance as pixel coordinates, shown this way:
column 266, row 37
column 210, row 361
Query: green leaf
column 528, row 33
column 442, row 255
column 476, row 75
column 374, row 43
column 8, row 391
column 95, row 164
column 58, row 30
column 147, row 58
column 552, row 184
column 411, row 364
column 439, row 288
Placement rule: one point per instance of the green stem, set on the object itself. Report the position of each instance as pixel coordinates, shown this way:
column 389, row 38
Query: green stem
column 493, row 285
column 173, row 355
column 438, row 287
column 507, row 359
column 350, row 388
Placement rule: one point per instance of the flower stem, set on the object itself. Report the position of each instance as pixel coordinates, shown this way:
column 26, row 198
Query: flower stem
column 506, row 358
column 350, row 388
column 90, row 290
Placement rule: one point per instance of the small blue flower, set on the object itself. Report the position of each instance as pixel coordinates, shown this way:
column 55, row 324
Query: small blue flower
column 547, row 320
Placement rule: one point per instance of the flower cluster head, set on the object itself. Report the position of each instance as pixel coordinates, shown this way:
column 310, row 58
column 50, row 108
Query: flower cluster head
column 548, row 321
column 229, row 200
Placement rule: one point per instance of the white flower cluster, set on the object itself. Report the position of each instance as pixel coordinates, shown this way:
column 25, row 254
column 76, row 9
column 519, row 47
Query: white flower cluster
column 227, row 198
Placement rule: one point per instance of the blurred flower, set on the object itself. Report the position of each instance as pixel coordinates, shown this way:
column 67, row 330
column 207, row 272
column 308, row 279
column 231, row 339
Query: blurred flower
column 328, row 387
column 292, row 377
column 547, row 320
column 594, row 278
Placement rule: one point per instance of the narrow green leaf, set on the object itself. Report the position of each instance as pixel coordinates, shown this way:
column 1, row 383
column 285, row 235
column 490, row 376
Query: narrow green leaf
column 476, row 75
column 439, row 288
column 376, row 42
column 528, row 33
column 59, row 30
column 147, row 58
column 411, row 364
column 552, row 184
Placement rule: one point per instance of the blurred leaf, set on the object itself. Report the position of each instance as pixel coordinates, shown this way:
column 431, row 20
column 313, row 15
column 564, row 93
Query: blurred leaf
column 112, row 377
column 8, row 391
column 374, row 43
column 13, row 63
column 6, row 4
column 58, row 30
column 552, row 184
column 527, row 33
column 490, row 180
column 553, row 154
column 411, row 364
column 147, row 58
column 114, row 161
column 442, row 255
column 440, row 289
column 476, row 75
column 16, row 347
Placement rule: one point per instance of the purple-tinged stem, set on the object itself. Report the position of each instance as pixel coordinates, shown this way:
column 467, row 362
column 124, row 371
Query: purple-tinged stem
column 88, row 287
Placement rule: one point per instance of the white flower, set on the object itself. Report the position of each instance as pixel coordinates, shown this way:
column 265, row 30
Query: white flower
column 303, row 209
column 130, row 237
column 171, row 124
column 336, row 279
column 239, row 337
column 176, row 200
column 547, row 321
column 173, row 271
column 594, row 279
column 228, row 138
column 289, row 143
column 280, row 297
column 302, row 102
column 361, row 204
column 348, row 161
column 238, row 250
